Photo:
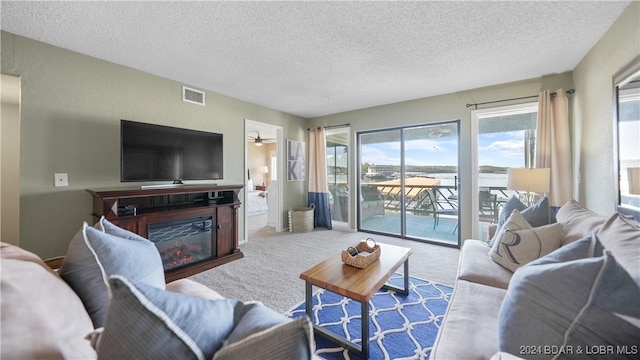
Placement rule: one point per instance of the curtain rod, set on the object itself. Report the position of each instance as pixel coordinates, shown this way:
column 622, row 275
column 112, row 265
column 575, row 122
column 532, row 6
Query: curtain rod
column 334, row 126
column 569, row 92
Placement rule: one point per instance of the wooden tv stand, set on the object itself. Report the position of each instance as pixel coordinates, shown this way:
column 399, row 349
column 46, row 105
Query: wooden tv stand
column 135, row 209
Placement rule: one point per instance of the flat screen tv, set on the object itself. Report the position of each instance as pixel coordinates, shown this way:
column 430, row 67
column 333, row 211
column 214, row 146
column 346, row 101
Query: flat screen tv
column 150, row 152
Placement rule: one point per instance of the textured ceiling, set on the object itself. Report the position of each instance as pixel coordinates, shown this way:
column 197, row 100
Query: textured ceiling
column 318, row 58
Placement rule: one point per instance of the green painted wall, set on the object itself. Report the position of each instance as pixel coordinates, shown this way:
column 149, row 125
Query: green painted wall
column 70, row 123
column 594, row 153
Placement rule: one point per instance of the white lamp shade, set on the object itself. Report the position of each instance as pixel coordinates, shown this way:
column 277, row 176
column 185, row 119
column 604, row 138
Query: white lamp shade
column 536, row 180
column 633, row 173
column 264, row 169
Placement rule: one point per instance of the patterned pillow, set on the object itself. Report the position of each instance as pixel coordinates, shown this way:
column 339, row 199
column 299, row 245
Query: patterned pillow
column 146, row 322
column 514, row 248
column 582, row 304
column 538, row 214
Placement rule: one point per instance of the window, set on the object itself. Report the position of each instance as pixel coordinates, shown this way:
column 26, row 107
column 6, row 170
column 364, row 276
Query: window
column 505, row 137
column 338, row 174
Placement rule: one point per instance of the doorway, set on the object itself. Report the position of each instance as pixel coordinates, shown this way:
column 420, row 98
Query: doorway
column 263, row 195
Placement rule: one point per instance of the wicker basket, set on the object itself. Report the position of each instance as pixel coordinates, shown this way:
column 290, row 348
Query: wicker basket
column 365, row 254
column 301, row 219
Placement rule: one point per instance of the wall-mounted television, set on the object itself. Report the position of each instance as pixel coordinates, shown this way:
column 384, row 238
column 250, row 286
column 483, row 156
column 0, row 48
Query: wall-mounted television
column 150, row 152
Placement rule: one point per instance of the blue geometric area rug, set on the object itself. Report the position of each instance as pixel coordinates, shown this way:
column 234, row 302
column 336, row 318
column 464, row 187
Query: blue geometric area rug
column 400, row 326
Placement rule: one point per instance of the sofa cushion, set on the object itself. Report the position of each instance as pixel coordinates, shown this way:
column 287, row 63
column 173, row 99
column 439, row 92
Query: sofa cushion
column 621, row 235
column 192, row 288
column 469, row 329
column 93, row 255
column 582, row 303
column 538, row 214
column 477, row 266
column 577, row 221
column 515, row 248
column 42, row 318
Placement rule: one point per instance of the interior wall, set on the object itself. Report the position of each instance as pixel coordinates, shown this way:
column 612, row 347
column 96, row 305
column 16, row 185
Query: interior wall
column 10, row 160
column 70, row 123
column 594, row 106
column 437, row 109
column 257, row 158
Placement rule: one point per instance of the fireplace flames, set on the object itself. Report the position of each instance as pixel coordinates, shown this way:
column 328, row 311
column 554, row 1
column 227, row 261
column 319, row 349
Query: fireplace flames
column 182, row 254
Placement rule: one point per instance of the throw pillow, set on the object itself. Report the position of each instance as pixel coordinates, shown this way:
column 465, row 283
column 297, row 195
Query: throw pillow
column 289, row 340
column 111, row 229
column 93, row 256
column 512, row 204
column 582, row 304
column 146, row 322
column 578, row 221
column 515, row 248
column 136, row 259
column 514, row 222
column 538, row 214
column 82, row 273
column 587, row 247
column 621, row 235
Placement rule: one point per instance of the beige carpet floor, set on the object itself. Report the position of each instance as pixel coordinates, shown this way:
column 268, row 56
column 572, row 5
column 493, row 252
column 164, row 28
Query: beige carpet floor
column 272, row 263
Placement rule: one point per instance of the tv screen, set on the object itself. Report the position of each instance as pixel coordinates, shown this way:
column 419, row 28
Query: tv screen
column 150, row 152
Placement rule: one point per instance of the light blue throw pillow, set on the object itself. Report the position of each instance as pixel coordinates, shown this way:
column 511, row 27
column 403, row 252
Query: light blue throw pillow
column 86, row 267
column 111, row 229
column 137, row 259
column 580, row 304
column 144, row 322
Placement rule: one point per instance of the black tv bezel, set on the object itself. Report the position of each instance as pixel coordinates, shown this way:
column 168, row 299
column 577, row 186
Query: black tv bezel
column 174, row 129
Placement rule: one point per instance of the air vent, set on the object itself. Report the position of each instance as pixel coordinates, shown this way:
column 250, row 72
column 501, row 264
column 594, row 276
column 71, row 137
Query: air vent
column 192, row 96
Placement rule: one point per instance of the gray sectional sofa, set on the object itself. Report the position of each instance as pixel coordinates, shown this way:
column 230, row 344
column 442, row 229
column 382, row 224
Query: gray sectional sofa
column 578, row 298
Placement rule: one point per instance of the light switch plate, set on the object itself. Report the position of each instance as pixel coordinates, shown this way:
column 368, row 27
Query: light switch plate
column 61, row 179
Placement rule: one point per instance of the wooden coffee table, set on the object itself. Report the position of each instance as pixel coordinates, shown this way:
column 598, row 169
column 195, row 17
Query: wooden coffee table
column 357, row 284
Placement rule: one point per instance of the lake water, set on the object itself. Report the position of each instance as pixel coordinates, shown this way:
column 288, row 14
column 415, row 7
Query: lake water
column 447, row 179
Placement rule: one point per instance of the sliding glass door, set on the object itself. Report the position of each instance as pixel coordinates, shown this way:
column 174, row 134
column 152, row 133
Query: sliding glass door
column 409, row 182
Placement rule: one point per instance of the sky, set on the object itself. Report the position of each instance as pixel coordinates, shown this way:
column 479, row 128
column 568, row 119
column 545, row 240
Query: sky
column 497, row 149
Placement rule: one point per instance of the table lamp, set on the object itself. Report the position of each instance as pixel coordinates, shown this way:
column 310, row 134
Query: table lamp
column 530, row 180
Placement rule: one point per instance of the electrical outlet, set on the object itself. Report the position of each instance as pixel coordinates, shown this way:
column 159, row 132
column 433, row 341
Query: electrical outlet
column 61, row 179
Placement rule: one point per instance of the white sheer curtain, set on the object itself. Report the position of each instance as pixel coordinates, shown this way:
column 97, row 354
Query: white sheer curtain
column 553, row 144
column 318, row 186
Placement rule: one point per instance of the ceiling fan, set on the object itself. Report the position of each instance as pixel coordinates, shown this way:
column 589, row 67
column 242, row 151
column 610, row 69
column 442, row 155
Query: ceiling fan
column 258, row 141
